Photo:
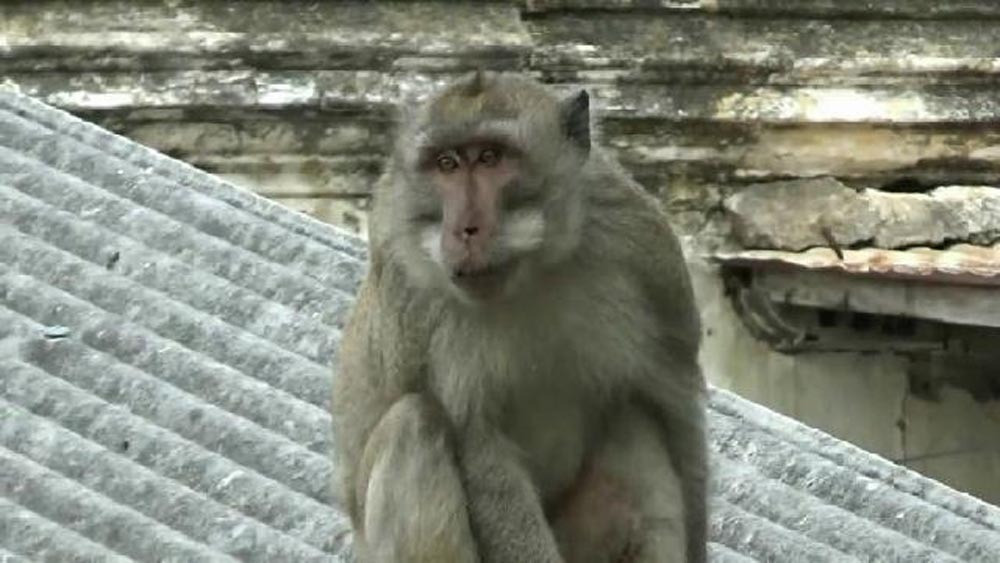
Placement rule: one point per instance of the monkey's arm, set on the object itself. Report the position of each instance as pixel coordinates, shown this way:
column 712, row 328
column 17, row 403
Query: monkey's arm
column 682, row 434
column 676, row 396
column 398, row 476
column 504, row 508
column 357, row 404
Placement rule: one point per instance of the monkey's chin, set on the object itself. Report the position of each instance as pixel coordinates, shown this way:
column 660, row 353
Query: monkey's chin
column 489, row 284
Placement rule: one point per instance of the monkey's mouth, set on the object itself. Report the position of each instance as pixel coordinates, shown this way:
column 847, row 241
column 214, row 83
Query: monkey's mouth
column 482, row 282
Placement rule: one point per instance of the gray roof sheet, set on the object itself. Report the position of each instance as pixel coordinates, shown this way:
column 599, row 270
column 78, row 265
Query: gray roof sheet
column 164, row 348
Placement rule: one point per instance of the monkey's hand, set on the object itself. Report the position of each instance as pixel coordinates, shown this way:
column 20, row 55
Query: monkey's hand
column 506, row 514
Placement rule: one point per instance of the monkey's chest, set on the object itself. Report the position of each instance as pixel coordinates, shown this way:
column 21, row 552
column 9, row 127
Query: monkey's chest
column 548, row 373
column 552, row 424
column 539, row 394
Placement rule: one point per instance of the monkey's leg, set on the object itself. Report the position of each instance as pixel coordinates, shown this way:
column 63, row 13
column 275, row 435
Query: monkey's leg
column 414, row 505
column 627, row 505
column 504, row 507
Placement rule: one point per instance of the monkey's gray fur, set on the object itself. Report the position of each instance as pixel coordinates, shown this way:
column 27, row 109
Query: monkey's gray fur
column 563, row 418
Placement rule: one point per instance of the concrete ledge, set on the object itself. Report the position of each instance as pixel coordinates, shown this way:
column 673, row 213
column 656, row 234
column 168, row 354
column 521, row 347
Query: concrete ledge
column 889, row 9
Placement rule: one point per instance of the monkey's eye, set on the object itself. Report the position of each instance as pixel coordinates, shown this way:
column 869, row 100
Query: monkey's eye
column 490, row 157
column 447, row 163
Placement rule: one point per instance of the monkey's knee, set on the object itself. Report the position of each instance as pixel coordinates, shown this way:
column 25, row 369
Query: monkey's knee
column 409, row 442
column 597, row 522
column 635, row 452
column 627, row 505
column 412, row 417
column 413, row 503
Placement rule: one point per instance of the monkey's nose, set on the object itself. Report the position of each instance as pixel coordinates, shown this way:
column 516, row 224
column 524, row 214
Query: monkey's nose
column 469, row 232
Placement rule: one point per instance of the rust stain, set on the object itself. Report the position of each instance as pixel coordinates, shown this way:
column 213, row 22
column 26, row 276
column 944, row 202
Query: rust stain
column 961, row 264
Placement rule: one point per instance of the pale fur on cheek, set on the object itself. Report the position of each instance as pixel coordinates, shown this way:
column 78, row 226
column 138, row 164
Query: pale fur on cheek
column 430, row 241
column 522, row 231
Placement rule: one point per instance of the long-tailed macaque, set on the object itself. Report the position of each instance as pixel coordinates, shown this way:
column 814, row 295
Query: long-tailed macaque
column 519, row 380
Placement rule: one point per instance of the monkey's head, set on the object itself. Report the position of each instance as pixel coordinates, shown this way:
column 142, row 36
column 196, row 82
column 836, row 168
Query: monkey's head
column 484, row 191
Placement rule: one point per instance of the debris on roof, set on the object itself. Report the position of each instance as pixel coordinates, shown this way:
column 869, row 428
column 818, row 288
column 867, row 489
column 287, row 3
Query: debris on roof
column 165, row 343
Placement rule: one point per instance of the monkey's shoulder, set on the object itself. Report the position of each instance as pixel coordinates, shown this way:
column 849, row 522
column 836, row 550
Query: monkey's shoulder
column 385, row 340
column 628, row 230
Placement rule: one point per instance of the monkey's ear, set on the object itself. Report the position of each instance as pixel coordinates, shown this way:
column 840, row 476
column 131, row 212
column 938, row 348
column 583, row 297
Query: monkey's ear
column 576, row 119
column 477, row 83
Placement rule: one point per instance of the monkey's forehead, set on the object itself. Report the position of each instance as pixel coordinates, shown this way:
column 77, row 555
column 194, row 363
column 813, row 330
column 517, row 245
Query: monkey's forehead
column 493, row 97
column 460, row 108
column 524, row 135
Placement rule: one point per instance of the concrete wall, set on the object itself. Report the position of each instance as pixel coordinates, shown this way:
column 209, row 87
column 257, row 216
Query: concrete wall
column 863, row 398
column 698, row 99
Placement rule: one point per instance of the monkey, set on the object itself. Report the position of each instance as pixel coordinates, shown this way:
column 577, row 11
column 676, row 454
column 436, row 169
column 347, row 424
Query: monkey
column 518, row 379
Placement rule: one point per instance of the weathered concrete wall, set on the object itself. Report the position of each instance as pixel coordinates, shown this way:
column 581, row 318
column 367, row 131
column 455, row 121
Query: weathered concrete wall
column 799, row 215
column 693, row 94
column 698, row 98
column 867, row 399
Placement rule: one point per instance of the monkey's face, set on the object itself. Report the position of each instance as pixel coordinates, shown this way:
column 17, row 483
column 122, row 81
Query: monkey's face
column 488, row 218
column 486, row 190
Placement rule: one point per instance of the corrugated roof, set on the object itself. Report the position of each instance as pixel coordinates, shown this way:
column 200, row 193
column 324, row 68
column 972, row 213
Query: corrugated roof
column 164, row 349
column 963, row 264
